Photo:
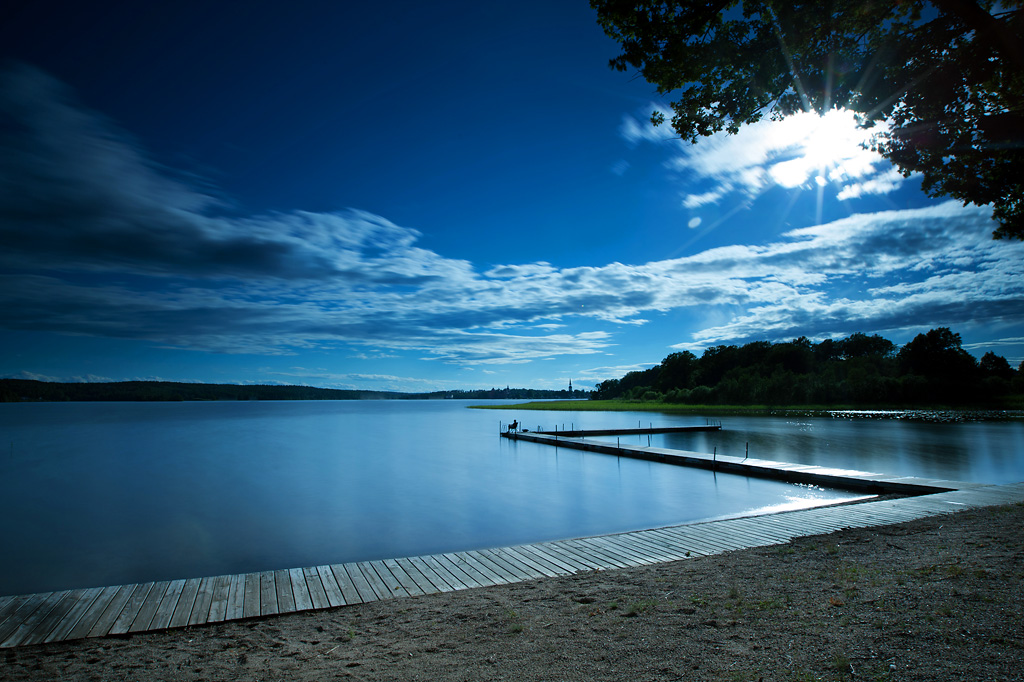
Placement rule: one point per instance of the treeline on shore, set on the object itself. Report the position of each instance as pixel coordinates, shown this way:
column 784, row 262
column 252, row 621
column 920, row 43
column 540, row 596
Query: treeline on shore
column 21, row 390
column 932, row 369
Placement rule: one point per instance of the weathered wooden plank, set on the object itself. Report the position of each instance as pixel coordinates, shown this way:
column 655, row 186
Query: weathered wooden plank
column 120, row 621
column 430, row 574
column 404, row 579
column 575, row 556
column 376, row 585
column 23, row 611
column 479, row 562
column 467, row 562
column 516, row 553
column 149, row 607
column 331, row 587
column 550, row 552
column 348, row 588
column 422, row 582
column 71, row 619
column 515, row 569
column 24, row 629
column 43, row 628
column 452, row 579
column 204, row 601
column 630, row 549
column 300, row 590
column 9, row 604
column 468, row 576
column 391, row 583
column 100, row 617
column 285, row 591
column 219, row 604
column 235, row 608
column 251, row 606
column 268, row 594
column 186, row 603
column 684, row 543
column 169, row 602
column 315, row 588
column 355, row 576
column 608, row 556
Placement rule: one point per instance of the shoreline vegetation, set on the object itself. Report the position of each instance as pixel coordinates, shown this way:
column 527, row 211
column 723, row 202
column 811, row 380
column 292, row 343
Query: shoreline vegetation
column 27, row 390
column 933, row 370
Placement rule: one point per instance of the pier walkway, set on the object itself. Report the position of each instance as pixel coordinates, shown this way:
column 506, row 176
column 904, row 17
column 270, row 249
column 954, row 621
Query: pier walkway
column 101, row 611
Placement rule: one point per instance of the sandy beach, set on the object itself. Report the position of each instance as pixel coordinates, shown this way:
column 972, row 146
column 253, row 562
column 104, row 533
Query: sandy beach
column 936, row 599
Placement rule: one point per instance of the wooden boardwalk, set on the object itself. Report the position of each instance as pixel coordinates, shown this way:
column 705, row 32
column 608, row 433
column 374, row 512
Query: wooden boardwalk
column 101, row 611
column 747, row 466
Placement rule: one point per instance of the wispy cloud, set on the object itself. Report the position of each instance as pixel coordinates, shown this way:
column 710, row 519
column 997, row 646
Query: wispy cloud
column 803, row 149
column 101, row 241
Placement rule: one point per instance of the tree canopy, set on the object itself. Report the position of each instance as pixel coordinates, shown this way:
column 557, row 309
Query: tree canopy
column 932, row 369
column 947, row 76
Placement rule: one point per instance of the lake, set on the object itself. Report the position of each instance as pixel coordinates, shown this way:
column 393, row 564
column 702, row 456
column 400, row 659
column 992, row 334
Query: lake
column 110, row 493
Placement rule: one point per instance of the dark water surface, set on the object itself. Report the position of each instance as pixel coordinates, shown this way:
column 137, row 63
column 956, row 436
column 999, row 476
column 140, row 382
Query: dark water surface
column 109, row 493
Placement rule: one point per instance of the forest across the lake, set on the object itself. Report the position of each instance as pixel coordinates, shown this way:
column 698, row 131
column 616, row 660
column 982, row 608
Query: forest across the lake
column 932, row 369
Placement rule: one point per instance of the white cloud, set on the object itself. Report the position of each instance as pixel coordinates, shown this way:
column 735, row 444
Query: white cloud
column 799, row 150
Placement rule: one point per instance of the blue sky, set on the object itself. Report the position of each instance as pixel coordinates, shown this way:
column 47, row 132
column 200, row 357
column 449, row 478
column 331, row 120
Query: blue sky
column 420, row 197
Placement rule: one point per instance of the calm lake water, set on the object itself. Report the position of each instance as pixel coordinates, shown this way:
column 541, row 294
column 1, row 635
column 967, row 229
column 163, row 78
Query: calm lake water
column 109, row 493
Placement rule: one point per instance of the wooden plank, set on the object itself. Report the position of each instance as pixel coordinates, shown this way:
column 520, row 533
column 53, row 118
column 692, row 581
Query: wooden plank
column 186, row 603
column 480, row 563
column 236, row 597
column 331, row 587
column 251, row 605
column 268, row 594
column 362, row 588
column 285, row 591
column 422, row 582
column 98, row 620
column 516, row 570
column 610, row 557
column 404, row 579
column 129, row 611
column 23, row 611
column 450, row 578
column 468, row 576
column 436, row 579
column 631, row 549
column 376, row 585
column 685, row 543
column 391, row 583
column 35, row 619
column 73, row 616
column 204, row 600
column 219, row 603
column 517, row 554
column 300, row 590
column 9, row 605
column 169, row 602
column 54, row 617
column 148, row 608
column 573, row 555
column 592, row 555
column 543, row 559
column 348, row 588
column 554, row 551
column 315, row 587
column 467, row 562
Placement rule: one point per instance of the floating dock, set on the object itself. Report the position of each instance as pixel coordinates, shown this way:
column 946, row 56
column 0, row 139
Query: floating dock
column 64, row 615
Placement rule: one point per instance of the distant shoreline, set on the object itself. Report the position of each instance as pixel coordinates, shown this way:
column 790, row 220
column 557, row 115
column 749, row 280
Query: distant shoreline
column 26, row 390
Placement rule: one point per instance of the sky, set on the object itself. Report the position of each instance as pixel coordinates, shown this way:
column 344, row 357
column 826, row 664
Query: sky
column 430, row 196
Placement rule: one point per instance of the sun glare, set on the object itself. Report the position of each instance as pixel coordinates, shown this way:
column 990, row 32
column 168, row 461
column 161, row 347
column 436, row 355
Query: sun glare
column 821, row 149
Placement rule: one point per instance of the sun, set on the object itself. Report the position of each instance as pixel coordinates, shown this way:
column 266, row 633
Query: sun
column 820, row 149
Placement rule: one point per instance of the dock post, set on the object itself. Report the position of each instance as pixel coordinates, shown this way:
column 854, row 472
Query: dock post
column 747, row 453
